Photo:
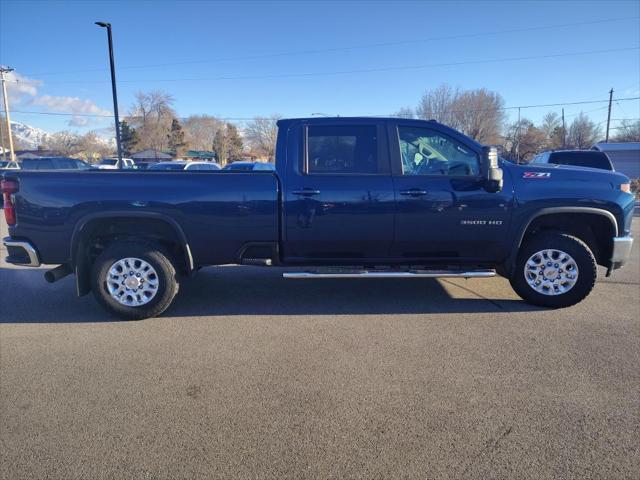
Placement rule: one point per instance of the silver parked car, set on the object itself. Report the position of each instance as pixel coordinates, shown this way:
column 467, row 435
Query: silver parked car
column 184, row 165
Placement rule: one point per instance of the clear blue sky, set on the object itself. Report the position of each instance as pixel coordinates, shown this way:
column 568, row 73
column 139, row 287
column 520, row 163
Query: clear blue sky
column 186, row 47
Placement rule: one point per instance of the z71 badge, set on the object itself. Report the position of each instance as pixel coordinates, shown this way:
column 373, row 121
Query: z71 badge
column 536, row 174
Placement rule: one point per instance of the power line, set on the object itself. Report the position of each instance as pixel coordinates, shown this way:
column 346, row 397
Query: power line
column 364, row 70
column 587, row 102
column 347, row 48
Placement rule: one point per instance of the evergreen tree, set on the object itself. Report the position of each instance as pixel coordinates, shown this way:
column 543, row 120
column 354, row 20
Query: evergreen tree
column 176, row 143
column 227, row 144
column 129, row 139
column 235, row 142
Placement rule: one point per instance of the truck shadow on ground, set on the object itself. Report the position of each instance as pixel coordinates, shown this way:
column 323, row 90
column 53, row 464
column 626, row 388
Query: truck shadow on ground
column 238, row 291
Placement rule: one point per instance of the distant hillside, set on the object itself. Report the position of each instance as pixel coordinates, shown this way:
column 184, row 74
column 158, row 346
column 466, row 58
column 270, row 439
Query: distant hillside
column 28, row 136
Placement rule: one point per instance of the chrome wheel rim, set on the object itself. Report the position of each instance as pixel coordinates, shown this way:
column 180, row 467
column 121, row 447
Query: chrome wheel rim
column 551, row 272
column 132, row 282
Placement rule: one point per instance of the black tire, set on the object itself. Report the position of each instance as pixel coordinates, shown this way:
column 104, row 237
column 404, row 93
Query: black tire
column 167, row 287
column 583, row 257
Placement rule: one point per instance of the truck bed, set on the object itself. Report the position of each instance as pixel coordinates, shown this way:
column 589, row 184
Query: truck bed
column 217, row 211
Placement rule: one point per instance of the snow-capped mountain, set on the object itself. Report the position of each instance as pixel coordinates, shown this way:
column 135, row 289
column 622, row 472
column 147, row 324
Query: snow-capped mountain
column 32, row 137
column 27, row 135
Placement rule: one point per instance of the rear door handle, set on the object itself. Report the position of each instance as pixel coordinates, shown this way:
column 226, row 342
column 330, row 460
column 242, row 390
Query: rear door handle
column 413, row 192
column 306, row 192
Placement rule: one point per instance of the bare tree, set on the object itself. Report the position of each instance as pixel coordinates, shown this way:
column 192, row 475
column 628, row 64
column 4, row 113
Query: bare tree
column 523, row 141
column 151, row 115
column 481, row 115
column 477, row 113
column 405, row 112
column 200, row 131
column 552, row 128
column 439, row 104
column 261, row 134
column 628, row 131
column 583, row 133
column 65, row 142
column 92, row 148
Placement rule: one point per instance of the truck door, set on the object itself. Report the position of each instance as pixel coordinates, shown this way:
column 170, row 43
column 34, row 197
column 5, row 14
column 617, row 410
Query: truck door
column 443, row 211
column 338, row 198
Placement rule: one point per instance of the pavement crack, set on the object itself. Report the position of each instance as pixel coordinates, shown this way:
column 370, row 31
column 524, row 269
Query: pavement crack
column 489, row 447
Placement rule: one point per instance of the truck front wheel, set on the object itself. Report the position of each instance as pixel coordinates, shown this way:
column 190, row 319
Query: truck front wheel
column 134, row 280
column 554, row 270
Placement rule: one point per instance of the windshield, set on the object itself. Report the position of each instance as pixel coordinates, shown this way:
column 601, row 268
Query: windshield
column 109, row 161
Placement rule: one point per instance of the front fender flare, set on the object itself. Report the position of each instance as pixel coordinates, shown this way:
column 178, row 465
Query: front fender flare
column 519, row 236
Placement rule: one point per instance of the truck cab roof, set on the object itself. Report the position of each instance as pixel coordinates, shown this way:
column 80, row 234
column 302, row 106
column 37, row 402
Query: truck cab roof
column 286, row 123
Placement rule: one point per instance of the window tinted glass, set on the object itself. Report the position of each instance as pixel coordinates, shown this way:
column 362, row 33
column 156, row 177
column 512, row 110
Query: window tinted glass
column 426, row 152
column 64, row 163
column 264, row 166
column 538, row 158
column 167, row 166
column 37, row 164
column 240, row 166
column 109, row 161
column 583, row 159
column 342, row 149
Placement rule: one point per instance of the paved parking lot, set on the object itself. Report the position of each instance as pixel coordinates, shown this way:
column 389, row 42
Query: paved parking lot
column 249, row 375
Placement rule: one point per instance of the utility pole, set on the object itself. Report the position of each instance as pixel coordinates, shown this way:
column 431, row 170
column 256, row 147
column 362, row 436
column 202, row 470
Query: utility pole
column 113, row 88
column 4, row 153
column 606, row 140
column 564, row 131
column 4, row 70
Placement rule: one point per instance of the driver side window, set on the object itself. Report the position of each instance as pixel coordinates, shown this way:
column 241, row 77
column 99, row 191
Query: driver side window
column 427, row 152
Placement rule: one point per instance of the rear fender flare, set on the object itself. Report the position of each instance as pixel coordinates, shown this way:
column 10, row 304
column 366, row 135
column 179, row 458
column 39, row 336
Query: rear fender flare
column 81, row 266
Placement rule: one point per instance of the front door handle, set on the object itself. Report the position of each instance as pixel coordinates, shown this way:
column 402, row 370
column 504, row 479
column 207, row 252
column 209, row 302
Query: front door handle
column 413, row 192
column 306, row 192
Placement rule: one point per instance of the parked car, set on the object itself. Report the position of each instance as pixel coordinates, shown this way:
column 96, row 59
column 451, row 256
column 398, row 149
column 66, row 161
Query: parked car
column 350, row 197
column 111, row 163
column 143, row 165
column 184, row 165
column 53, row 163
column 242, row 166
column 625, row 156
column 576, row 158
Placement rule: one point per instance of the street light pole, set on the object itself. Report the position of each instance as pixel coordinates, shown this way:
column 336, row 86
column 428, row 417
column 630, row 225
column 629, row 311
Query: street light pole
column 113, row 87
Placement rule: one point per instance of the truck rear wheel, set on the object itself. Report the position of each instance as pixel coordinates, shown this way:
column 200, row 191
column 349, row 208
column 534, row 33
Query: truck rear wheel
column 134, row 280
column 554, row 270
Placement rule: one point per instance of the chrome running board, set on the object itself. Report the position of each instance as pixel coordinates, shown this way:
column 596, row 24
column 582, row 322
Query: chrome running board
column 392, row 274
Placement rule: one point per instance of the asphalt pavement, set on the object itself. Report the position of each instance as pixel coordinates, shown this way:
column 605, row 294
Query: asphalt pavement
column 251, row 376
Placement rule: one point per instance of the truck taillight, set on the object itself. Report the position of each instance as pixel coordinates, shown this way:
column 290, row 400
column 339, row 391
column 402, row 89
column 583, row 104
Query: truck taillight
column 9, row 187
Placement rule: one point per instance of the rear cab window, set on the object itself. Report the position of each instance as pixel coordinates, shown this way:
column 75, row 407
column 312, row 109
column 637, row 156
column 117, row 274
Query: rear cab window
column 344, row 150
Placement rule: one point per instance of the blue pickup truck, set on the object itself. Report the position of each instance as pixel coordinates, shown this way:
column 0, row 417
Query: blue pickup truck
column 350, row 197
